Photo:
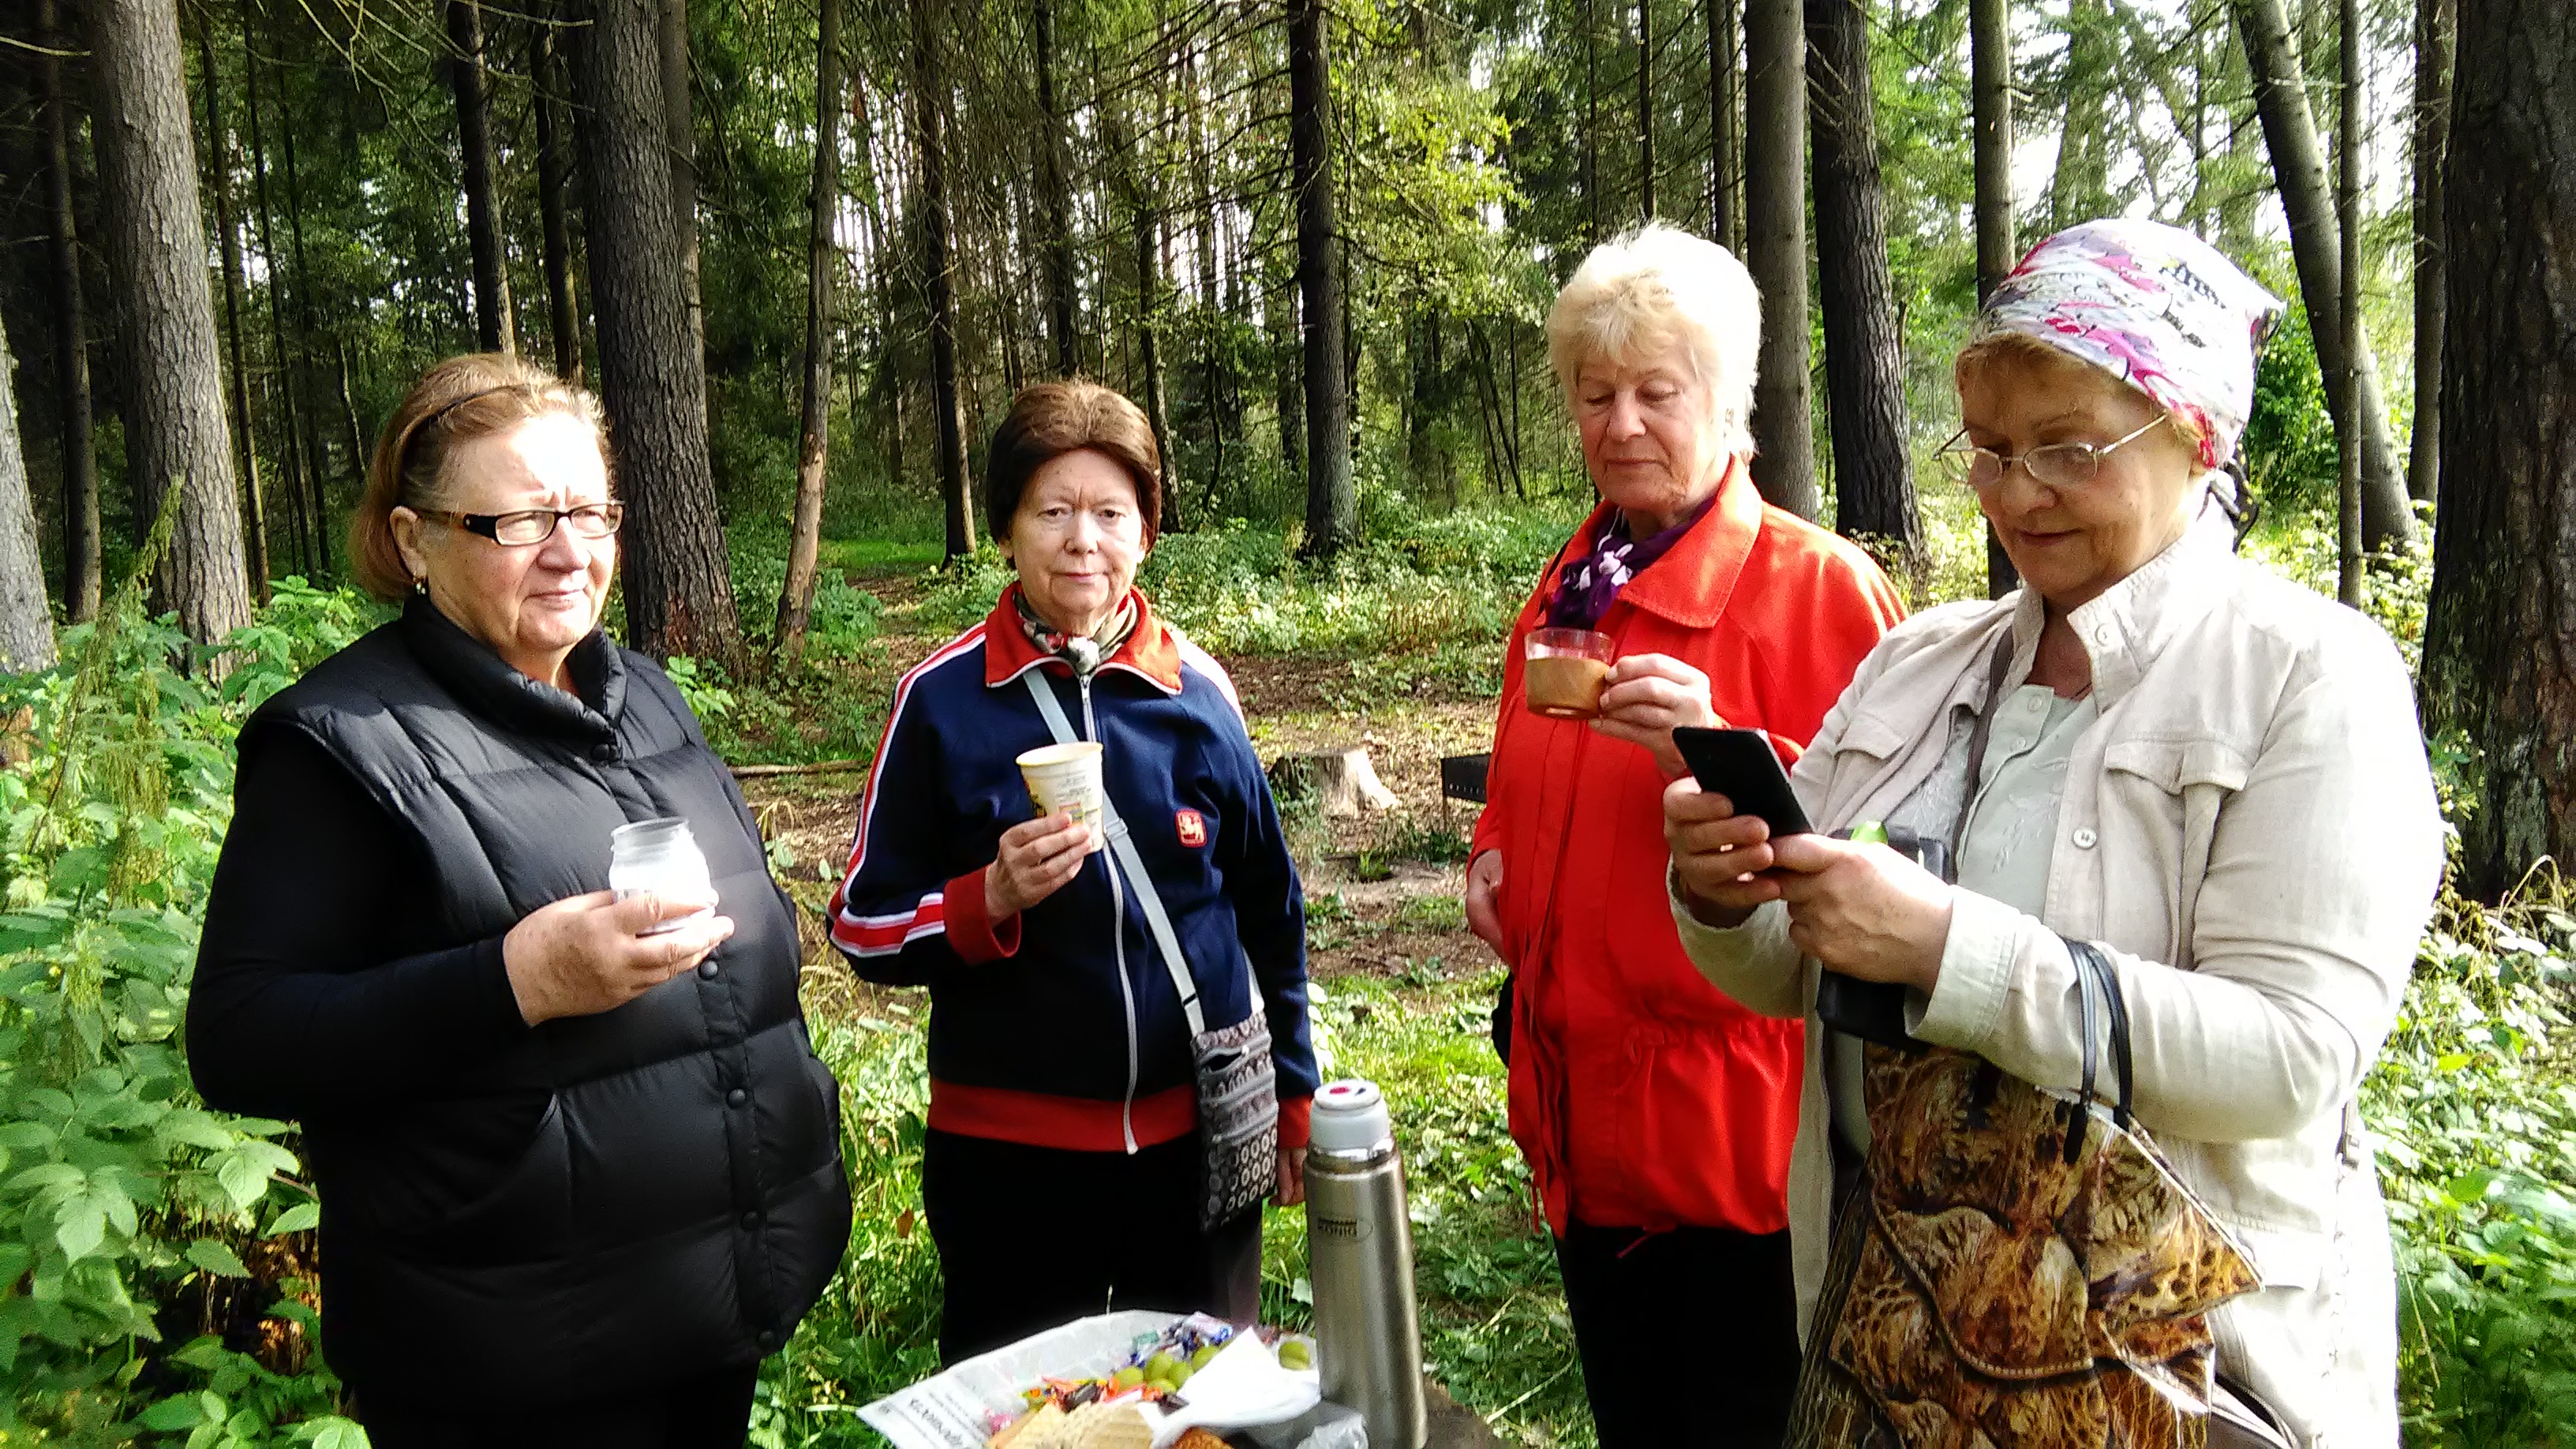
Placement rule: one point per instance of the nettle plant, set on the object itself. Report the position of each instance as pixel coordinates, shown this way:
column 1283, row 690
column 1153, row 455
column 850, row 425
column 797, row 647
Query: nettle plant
column 123, row 1200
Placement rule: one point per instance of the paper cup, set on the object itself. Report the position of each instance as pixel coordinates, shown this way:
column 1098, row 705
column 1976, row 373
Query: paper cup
column 1067, row 777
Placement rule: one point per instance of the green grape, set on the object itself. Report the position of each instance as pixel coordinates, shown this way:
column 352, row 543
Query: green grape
column 1294, row 1353
column 1199, row 1360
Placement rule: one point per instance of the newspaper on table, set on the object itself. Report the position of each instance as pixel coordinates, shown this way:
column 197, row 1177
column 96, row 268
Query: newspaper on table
column 1243, row 1387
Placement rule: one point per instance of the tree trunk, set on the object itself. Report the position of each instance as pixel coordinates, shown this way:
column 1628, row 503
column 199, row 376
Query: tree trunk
column 1591, row 121
column 26, row 623
column 316, row 476
column 1990, row 62
column 930, row 100
column 1332, row 504
column 2079, row 190
column 2434, row 20
column 1149, row 263
column 679, row 591
column 822, row 267
column 680, row 138
column 1646, row 109
column 563, row 307
column 492, row 329
column 1725, row 127
column 1059, row 209
column 2499, row 646
column 1775, row 244
column 153, row 234
column 2348, row 116
column 281, row 377
column 1288, row 382
column 71, row 333
column 356, row 435
column 1864, row 353
column 1149, row 341
column 236, row 371
column 2290, row 132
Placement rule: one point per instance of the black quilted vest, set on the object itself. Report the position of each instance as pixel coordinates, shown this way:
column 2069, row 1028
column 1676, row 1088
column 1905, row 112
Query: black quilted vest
column 682, row 1201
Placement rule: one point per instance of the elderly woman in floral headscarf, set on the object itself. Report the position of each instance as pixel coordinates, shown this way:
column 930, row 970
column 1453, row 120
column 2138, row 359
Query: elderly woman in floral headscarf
column 2211, row 775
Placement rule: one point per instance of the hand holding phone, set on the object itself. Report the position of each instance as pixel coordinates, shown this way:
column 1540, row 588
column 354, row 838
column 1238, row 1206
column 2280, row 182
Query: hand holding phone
column 1720, row 852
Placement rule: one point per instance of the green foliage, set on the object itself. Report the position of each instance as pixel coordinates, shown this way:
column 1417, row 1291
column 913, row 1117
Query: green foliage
column 2475, row 1108
column 877, row 1326
column 2289, row 445
column 118, row 1190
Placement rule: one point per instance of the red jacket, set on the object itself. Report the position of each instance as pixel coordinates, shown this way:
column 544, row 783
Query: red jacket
column 1641, row 1095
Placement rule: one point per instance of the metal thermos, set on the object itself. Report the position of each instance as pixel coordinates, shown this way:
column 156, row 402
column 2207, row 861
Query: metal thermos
column 1359, row 1247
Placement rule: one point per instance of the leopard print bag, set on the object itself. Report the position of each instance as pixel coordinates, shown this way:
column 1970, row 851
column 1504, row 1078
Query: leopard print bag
column 2015, row 1267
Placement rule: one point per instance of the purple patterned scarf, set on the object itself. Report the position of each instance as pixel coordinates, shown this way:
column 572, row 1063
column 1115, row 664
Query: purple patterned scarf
column 1591, row 583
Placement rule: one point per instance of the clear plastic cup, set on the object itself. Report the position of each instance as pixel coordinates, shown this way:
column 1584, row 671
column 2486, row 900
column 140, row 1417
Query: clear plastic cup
column 1068, row 778
column 1562, row 673
column 659, row 857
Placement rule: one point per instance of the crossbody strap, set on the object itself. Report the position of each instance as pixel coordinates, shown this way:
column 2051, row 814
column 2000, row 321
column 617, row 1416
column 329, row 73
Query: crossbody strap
column 1998, row 669
column 1127, row 862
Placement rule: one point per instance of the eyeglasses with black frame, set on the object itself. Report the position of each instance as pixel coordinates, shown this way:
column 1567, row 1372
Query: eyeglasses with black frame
column 2053, row 465
column 527, row 526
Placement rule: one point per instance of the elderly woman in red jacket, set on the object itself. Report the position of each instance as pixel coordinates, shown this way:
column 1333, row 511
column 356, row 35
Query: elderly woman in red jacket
column 1656, row 1114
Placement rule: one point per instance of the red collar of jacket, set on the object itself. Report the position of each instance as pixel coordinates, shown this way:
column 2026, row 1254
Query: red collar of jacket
column 1148, row 653
column 1691, row 584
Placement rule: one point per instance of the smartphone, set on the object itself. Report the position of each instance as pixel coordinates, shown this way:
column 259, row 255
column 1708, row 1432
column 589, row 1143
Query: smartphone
column 1740, row 765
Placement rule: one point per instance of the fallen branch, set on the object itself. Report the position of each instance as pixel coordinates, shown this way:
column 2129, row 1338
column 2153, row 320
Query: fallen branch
column 819, row 767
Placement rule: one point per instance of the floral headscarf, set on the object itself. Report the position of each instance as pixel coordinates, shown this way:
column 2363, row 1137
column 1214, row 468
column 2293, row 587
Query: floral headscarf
column 2154, row 306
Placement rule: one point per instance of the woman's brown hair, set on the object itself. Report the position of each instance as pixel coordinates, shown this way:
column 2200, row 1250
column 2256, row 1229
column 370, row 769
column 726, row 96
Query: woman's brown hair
column 1050, row 419
column 455, row 402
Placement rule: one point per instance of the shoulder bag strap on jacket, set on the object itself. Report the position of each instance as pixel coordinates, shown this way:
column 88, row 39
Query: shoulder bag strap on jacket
column 1128, row 863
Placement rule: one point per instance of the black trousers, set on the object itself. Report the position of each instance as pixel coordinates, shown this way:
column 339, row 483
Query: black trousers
column 1708, row 1308
column 703, row 1411
column 1030, row 1237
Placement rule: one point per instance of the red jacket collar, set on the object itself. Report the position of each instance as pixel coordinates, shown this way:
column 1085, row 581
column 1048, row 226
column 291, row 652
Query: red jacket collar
column 1149, row 653
column 1691, row 584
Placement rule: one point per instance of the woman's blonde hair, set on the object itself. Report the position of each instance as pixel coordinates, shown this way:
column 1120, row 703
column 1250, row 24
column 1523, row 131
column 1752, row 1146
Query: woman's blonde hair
column 455, row 402
column 1644, row 292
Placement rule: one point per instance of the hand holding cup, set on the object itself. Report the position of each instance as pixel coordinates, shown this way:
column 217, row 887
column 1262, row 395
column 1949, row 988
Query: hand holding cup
column 1645, row 696
column 586, row 954
column 1037, row 859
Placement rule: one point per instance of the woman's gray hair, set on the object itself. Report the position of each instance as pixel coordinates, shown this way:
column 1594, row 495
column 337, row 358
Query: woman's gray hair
column 1643, row 293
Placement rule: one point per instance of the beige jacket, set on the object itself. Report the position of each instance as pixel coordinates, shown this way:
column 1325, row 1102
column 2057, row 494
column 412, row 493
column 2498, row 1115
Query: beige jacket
column 2250, row 832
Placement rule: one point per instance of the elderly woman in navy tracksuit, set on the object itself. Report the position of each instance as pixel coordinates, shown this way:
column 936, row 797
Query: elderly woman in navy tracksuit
column 1061, row 1170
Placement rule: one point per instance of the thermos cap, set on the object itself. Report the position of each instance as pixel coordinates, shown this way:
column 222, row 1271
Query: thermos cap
column 1350, row 1116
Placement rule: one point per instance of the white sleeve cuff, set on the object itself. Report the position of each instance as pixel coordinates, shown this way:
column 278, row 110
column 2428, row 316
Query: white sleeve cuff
column 1966, row 1006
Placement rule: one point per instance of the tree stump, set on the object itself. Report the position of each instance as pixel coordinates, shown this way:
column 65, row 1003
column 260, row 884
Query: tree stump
column 1342, row 781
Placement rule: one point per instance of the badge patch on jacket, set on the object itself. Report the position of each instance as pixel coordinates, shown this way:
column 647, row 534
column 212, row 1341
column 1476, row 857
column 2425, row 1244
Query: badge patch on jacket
column 1193, row 827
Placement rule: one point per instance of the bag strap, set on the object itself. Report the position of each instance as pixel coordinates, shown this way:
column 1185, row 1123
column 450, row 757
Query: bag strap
column 2099, row 985
column 2088, row 991
column 2119, row 1005
column 1127, row 862
column 1996, row 673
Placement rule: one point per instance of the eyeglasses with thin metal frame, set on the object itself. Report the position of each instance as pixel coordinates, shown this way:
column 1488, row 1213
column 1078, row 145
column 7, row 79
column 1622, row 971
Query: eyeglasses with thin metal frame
column 2053, row 465
column 535, row 525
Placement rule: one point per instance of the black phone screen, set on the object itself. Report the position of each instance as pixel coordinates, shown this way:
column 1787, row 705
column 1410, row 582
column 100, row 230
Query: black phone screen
column 1739, row 765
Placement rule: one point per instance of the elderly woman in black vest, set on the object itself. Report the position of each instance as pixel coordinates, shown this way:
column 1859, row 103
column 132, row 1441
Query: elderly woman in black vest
column 578, row 1175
